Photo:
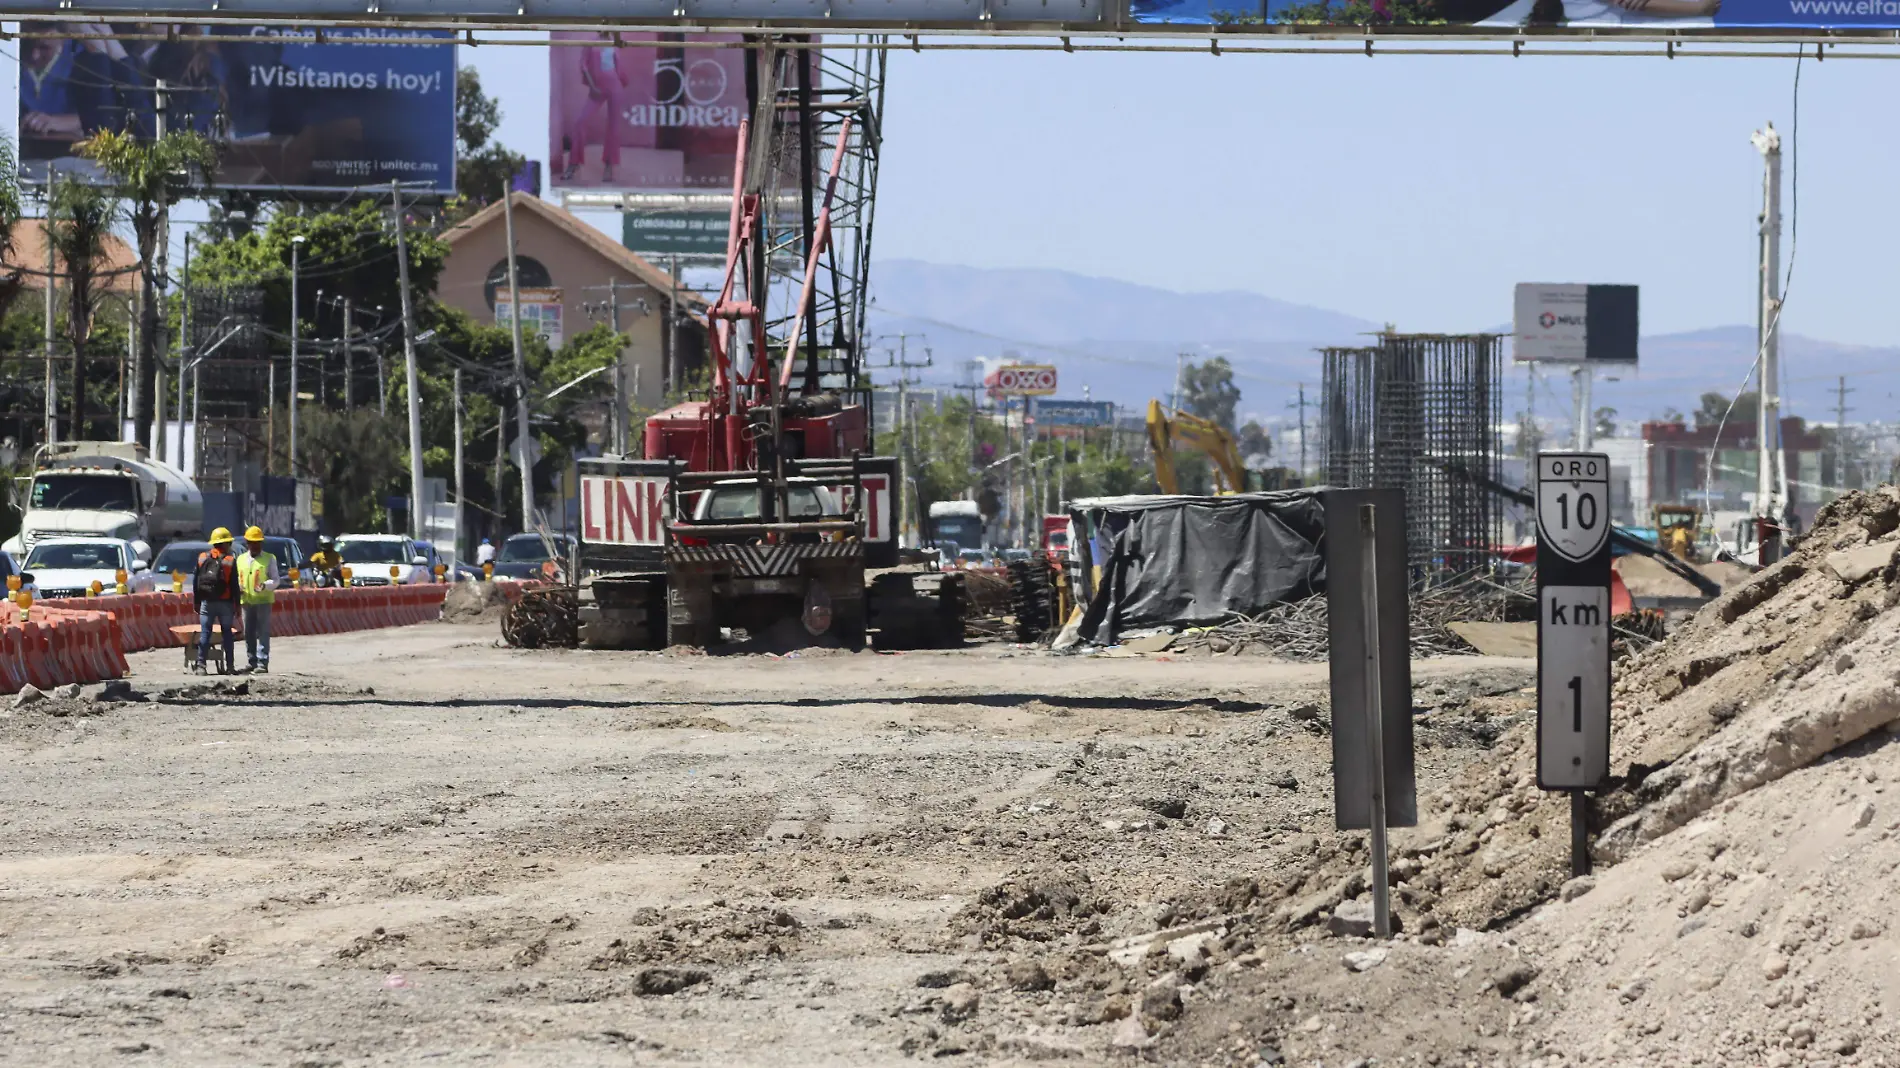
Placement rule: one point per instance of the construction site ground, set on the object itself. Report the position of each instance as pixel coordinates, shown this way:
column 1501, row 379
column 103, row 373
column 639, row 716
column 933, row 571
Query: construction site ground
column 413, row 846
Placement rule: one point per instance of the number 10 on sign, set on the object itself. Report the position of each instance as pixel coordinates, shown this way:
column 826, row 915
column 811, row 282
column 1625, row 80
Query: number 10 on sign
column 1573, row 620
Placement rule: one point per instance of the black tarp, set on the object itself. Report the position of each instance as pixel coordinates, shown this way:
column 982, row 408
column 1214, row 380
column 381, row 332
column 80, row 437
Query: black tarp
column 1195, row 561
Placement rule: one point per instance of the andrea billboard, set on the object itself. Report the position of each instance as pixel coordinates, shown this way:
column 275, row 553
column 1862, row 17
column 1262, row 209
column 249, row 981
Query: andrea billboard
column 1503, row 16
column 287, row 112
column 648, row 116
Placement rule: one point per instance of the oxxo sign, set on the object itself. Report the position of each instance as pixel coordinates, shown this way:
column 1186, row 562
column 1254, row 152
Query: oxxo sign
column 1026, row 379
column 1573, row 620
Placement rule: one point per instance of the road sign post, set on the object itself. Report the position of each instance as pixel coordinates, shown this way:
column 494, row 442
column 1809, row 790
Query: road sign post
column 1368, row 634
column 1573, row 632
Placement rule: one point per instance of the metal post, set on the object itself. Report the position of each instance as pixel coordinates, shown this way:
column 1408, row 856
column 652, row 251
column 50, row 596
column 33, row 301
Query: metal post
column 521, row 366
column 159, row 446
column 51, row 291
column 1375, row 734
column 409, row 367
column 1770, row 477
column 296, row 263
column 184, row 350
column 197, row 454
column 1584, row 434
column 458, row 465
column 1579, row 833
column 903, row 435
column 1302, row 433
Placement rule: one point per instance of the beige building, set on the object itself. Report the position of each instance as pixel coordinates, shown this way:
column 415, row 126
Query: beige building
column 568, row 273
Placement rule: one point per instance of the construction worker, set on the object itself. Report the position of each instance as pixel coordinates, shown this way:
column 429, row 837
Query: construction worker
column 214, row 590
column 257, row 588
column 485, row 553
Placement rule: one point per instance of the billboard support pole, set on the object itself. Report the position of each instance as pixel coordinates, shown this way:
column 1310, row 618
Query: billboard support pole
column 1580, row 397
column 349, row 360
column 296, row 268
column 521, row 364
column 409, row 364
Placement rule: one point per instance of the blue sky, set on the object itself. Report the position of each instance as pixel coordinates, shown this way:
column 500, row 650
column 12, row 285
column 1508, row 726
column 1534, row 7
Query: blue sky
column 1411, row 189
column 1414, row 190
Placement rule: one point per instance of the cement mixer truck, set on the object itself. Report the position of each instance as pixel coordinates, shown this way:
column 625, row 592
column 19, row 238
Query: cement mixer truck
column 104, row 489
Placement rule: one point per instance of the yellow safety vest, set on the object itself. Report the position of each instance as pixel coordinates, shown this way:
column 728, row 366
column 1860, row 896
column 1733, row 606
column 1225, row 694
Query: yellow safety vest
column 253, row 570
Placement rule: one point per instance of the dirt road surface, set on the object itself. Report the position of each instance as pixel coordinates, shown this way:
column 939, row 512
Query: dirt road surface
column 411, row 846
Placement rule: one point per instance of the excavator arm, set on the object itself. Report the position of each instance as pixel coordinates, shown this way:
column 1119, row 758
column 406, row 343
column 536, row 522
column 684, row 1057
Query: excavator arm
column 1168, row 430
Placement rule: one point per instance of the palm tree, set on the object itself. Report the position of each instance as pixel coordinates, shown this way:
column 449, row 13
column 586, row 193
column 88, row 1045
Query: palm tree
column 13, row 279
column 80, row 217
column 148, row 175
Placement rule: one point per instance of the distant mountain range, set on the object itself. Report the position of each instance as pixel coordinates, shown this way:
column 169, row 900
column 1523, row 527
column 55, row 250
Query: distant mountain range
column 1120, row 341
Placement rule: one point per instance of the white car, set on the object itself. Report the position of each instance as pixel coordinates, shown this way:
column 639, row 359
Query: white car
column 370, row 556
column 67, row 567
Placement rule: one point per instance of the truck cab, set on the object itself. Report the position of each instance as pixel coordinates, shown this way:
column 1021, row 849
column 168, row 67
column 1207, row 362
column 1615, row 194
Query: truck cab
column 104, row 489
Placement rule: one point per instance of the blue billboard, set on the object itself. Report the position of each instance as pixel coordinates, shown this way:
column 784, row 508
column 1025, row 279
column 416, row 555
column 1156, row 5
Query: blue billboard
column 287, row 112
column 1047, row 411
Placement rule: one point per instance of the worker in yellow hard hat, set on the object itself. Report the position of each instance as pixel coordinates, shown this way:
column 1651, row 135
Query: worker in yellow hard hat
column 214, row 589
column 257, row 589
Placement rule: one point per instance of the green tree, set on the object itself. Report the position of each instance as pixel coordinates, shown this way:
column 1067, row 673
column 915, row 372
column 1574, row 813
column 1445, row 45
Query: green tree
column 147, row 176
column 82, row 216
column 1710, row 412
column 348, row 252
column 1256, row 446
column 1208, row 391
column 12, row 274
column 1605, row 423
column 483, row 169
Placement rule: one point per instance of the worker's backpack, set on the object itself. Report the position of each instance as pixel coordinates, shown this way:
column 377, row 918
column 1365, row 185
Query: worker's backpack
column 212, row 583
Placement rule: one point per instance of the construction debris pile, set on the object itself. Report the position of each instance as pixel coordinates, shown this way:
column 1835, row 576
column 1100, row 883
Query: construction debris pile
column 1742, row 909
column 1296, row 630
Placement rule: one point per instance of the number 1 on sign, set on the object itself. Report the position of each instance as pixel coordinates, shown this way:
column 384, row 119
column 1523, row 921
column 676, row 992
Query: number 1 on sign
column 1576, row 703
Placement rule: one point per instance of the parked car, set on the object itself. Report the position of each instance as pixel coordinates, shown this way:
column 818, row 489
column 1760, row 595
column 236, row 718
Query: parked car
column 67, row 567
column 370, row 556
column 522, row 555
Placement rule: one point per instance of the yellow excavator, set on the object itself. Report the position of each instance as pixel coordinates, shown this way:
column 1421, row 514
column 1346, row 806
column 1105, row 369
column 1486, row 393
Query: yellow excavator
column 1676, row 528
column 1169, row 430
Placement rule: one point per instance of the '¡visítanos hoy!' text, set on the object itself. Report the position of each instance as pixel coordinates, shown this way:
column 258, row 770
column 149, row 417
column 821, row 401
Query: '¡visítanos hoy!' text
column 282, row 77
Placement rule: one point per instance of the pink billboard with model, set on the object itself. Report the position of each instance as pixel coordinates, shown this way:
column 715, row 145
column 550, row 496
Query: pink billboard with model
column 650, row 114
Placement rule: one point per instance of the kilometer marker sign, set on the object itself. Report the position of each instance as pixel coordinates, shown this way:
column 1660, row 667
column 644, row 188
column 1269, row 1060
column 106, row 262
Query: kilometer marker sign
column 1573, row 620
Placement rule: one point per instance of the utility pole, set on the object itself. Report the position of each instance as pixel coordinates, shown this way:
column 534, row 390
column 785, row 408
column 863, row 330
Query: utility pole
column 382, row 387
column 671, row 342
column 521, row 367
column 349, row 359
column 409, row 365
column 1770, row 474
column 906, row 532
column 1301, row 404
column 501, row 469
column 1840, row 431
column 458, row 465
column 296, row 265
column 1580, row 396
column 620, row 368
column 184, row 350
column 1180, row 378
column 52, row 392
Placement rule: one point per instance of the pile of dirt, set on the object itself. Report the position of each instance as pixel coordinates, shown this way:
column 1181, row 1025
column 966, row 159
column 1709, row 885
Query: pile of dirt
column 719, row 934
column 474, row 602
column 1736, row 916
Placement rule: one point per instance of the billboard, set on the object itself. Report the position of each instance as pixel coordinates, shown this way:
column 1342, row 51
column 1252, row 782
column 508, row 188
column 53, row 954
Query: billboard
column 1507, row 16
column 648, row 117
column 1022, row 379
column 540, row 313
column 1569, row 323
column 679, row 233
column 1048, row 412
column 286, row 111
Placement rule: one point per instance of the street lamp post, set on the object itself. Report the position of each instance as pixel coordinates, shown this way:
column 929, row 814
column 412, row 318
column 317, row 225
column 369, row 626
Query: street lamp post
column 296, row 253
